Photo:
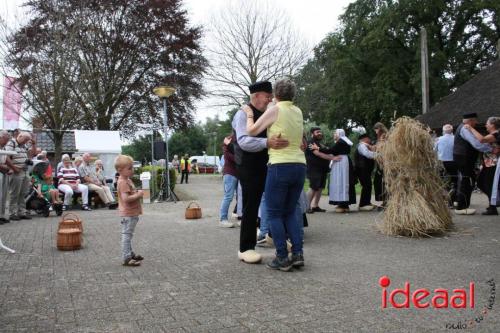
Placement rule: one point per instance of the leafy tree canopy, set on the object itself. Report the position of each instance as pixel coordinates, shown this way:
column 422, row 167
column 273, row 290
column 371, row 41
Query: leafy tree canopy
column 369, row 69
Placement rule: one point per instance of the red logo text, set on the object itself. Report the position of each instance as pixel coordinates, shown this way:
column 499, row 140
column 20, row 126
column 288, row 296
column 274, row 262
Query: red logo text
column 423, row 298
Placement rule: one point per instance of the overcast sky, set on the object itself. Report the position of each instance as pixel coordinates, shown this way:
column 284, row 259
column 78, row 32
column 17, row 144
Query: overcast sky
column 313, row 18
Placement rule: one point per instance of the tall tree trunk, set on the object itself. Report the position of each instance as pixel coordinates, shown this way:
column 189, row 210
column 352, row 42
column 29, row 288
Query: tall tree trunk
column 58, row 146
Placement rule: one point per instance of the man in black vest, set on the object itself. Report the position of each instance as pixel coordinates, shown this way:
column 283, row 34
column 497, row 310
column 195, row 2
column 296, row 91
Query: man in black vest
column 251, row 159
column 364, row 164
column 465, row 152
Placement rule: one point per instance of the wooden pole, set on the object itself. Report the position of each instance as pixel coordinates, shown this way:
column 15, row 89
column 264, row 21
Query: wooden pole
column 424, row 66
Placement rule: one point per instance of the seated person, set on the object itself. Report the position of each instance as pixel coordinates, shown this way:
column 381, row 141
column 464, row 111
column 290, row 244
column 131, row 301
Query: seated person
column 46, row 189
column 88, row 173
column 99, row 170
column 69, row 182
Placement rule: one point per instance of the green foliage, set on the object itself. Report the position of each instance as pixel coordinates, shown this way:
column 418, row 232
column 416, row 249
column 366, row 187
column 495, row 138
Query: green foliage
column 156, row 182
column 191, row 141
column 201, row 138
column 369, row 69
column 139, row 149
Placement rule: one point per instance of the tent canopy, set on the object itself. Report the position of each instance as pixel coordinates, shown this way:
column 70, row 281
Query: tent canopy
column 98, row 141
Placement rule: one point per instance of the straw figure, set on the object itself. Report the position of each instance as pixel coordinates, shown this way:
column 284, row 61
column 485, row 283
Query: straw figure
column 417, row 201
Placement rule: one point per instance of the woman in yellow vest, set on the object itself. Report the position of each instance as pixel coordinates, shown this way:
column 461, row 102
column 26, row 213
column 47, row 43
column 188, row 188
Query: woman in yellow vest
column 285, row 174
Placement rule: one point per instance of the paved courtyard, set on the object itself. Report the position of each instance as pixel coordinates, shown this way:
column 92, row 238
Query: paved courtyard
column 192, row 281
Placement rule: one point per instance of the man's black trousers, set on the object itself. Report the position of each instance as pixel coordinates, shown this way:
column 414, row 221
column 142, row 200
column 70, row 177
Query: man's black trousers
column 253, row 180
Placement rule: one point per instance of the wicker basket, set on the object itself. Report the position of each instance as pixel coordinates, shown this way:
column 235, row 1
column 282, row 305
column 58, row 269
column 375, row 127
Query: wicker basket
column 71, row 221
column 193, row 212
column 69, row 239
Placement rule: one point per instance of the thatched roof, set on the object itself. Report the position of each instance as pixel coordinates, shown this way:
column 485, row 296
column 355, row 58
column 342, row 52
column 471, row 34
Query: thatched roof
column 481, row 94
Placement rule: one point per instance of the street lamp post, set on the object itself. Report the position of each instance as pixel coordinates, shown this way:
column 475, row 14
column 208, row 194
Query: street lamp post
column 215, row 156
column 152, row 164
column 164, row 92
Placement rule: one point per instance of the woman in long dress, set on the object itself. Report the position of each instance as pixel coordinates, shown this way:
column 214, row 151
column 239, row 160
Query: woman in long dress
column 342, row 191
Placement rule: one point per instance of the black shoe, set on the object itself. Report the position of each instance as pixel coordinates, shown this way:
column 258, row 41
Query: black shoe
column 14, row 218
column 86, row 207
column 490, row 211
column 137, row 257
column 112, row 205
column 297, row 260
column 310, row 211
column 25, row 217
column 283, row 264
column 318, row 210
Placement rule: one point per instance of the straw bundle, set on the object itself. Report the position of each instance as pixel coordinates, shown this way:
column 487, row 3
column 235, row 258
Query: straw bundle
column 417, row 202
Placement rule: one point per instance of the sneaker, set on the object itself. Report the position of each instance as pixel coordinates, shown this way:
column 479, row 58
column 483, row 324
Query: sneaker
column 131, row 262
column 237, row 223
column 64, row 208
column 51, row 209
column 310, row 211
column 282, row 264
column 490, row 211
column 226, row 224
column 261, row 240
column 112, row 205
column 297, row 260
column 86, row 207
column 318, row 210
column 137, row 257
column 234, row 215
column 269, row 240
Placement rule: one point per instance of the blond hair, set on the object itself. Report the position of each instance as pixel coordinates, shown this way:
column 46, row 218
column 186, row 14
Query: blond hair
column 122, row 161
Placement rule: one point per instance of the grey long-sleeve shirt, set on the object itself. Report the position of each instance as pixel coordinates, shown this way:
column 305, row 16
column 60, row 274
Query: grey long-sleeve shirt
column 469, row 137
column 246, row 142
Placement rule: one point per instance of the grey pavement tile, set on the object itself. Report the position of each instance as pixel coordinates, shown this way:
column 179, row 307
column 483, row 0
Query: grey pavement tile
column 192, row 281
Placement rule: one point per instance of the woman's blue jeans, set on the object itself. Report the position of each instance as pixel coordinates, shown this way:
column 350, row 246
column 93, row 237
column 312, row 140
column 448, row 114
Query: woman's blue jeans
column 284, row 184
column 230, row 185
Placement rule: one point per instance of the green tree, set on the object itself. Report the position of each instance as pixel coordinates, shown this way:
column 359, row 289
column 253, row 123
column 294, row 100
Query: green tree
column 369, row 69
column 139, row 149
column 116, row 52
column 192, row 141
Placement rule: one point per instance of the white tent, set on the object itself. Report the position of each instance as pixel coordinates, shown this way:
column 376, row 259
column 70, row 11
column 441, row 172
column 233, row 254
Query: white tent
column 206, row 159
column 104, row 145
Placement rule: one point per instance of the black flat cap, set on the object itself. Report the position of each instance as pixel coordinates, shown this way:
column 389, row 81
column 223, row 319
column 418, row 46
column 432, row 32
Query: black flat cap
column 470, row 115
column 261, row 86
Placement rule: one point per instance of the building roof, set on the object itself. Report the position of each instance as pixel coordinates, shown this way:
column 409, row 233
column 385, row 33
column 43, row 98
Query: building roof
column 481, row 94
column 45, row 142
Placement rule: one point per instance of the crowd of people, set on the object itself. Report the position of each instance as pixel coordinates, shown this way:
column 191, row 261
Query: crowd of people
column 459, row 153
column 269, row 156
column 27, row 167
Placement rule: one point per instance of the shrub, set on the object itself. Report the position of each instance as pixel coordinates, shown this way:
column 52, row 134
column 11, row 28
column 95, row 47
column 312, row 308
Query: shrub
column 158, row 171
